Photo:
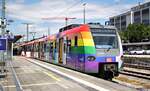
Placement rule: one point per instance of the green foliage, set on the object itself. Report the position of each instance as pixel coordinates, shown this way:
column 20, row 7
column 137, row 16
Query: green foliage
column 135, row 33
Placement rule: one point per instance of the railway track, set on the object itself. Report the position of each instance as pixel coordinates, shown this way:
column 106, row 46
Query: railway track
column 135, row 74
column 137, row 65
column 133, row 77
column 137, row 62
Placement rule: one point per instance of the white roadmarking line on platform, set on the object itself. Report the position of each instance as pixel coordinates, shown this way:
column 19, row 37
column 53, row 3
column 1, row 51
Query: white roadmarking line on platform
column 50, row 75
column 29, row 85
column 71, row 77
column 10, row 86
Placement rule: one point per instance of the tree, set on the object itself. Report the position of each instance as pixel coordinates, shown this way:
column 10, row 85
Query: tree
column 135, row 33
column 124, row 36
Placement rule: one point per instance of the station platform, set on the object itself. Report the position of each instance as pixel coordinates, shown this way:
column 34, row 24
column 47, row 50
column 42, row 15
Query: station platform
column 35, row 75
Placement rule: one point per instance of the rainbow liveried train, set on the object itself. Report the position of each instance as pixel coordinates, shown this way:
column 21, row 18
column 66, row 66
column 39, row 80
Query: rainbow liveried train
column 90, row 48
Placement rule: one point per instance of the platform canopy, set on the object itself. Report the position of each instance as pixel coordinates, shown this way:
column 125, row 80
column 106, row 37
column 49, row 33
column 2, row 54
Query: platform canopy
column 16, row 38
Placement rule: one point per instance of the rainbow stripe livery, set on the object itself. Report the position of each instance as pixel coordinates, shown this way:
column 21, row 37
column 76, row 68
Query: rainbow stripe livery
column 90, row 48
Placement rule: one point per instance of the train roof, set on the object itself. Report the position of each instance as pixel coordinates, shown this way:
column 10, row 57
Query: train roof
column 91, row 25
column 51, row 37
column 73, row 28
column 69, row 27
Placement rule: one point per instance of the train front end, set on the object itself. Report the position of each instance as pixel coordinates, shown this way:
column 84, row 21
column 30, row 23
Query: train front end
column 107, row 59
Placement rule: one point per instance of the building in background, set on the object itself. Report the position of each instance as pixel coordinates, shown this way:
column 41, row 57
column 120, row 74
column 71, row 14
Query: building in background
column 137, row 14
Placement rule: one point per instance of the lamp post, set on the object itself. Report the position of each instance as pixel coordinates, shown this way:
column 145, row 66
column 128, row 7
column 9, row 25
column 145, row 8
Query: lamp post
column 48, row 31
column 27, row 27
column 33, row 34
column 84, row 5
column 10, row 38
column 3, row 28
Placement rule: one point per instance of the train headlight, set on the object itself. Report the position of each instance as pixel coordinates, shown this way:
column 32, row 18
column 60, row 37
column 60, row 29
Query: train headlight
column 91, row 58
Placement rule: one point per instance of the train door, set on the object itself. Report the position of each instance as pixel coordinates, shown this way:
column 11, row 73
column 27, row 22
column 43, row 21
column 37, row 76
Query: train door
column 39, row 52
column 80, row 63
column 28, row 52
column 51, row 52
column 47, row 49
column 55, row 51
column 36, row 50
column 31, row 50
column 65, row 51
column 68, row 50
column 61, row 46
column 42, row 50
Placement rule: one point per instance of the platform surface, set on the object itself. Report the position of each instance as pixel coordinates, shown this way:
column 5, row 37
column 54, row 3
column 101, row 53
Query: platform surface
column 35, row 78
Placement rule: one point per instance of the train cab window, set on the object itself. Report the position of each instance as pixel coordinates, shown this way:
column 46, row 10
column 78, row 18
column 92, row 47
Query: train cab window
column 76, row 41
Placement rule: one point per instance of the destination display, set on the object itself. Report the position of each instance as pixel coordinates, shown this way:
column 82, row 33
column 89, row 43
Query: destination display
column 2, row 44
column 103, row 31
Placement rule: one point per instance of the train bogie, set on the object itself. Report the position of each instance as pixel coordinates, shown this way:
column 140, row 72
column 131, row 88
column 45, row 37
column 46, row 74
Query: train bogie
column 108, row 70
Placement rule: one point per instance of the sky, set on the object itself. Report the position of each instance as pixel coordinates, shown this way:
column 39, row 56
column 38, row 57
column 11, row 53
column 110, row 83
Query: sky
column 35, row 12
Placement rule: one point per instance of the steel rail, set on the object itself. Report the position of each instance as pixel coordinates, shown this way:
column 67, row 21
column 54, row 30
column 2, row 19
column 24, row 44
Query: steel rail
column 135, row 74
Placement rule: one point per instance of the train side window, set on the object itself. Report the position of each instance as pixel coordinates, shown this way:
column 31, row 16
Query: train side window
column 56, row 44
column 68, row 46
column 76, row 41
column 51, row 47
column 36, row 47
column 45, row 47
column 68, row 42
column 32, row 48
column 65, row 45
column 48, row 46
column 29, row 48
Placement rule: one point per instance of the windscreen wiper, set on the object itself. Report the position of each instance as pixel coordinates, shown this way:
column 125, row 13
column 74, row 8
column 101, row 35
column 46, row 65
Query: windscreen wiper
column 108, row 49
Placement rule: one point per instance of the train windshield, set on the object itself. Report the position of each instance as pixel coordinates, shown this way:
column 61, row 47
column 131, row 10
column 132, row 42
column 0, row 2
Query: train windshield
column 105, row 40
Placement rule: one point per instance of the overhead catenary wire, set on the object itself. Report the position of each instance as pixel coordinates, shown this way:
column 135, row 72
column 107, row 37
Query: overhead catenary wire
column 64, row 11
column 70, row 7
